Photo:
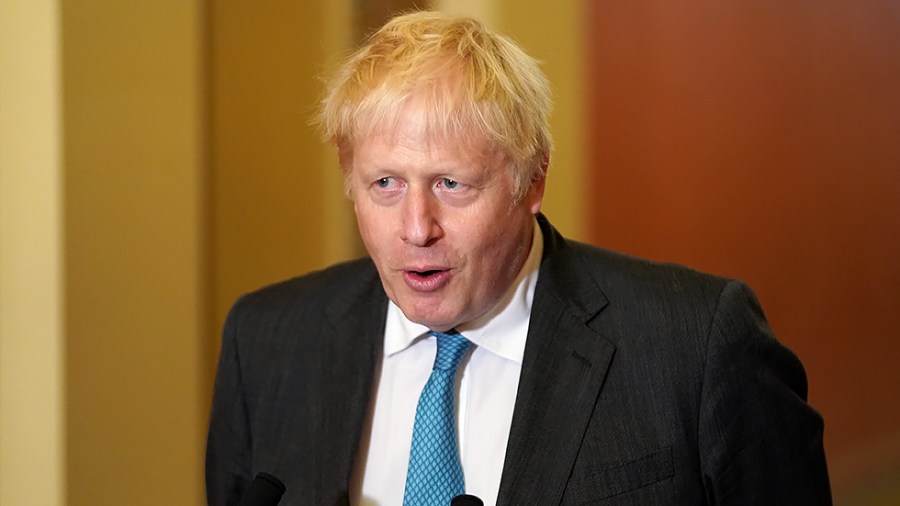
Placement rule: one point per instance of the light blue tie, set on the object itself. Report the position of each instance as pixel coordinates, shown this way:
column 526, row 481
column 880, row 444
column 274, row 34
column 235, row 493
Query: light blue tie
column 435, row 476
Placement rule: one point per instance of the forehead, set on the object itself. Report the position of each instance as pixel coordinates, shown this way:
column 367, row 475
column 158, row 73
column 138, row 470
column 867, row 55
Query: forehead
column 411, row 128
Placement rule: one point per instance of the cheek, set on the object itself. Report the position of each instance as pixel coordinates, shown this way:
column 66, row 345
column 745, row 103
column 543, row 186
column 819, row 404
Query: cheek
column 376, row 234
column 368, row 227
column 366, row 218
column 489, row 251
column 505, row 246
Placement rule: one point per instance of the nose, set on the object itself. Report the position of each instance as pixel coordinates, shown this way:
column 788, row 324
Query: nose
column 421, row 226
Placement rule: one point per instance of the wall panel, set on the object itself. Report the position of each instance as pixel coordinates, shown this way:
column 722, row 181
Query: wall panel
column 133, row 207
column 759, row 140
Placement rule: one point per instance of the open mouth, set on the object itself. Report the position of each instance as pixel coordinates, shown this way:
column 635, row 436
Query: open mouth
column 427, row 280
column 425, row 274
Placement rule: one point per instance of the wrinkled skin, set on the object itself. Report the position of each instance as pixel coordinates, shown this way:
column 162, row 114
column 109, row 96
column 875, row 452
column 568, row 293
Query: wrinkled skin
column 438, row 218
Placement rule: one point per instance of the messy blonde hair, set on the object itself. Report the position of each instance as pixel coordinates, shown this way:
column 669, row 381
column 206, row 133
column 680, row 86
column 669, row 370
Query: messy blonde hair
column 469, row 79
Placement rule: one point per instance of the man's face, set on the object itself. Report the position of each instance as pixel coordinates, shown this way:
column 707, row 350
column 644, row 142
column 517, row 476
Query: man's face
column 438, row 219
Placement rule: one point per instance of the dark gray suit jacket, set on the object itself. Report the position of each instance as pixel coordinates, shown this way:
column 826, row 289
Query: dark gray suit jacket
column 642, row 384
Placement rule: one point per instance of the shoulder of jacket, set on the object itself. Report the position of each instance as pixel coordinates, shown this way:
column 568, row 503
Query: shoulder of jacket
column 315, row 288
column 618, row 272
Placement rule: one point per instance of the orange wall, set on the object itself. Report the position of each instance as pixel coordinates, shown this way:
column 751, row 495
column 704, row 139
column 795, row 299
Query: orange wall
column 761, row 140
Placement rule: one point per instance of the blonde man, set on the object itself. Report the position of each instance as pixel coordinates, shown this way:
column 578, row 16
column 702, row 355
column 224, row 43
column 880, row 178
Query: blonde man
column 582, row 376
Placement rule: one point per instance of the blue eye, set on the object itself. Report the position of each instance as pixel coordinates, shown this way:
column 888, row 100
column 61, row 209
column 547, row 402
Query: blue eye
column 450, row 184
column 384, row 182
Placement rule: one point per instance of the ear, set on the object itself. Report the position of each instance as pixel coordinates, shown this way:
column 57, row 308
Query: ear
column 536, row 191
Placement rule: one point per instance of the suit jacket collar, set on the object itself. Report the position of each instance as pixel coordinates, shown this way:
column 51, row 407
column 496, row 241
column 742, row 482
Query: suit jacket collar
column 565, row 364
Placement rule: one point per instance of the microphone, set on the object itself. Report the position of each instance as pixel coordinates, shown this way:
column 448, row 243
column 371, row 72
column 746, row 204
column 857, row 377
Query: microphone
column 466, row 500
column 264, row 490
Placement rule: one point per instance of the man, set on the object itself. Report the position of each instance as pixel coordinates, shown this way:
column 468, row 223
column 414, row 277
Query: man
column 582, row 376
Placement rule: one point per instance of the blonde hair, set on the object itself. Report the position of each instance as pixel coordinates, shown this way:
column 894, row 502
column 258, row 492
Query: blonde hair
column 471, row 81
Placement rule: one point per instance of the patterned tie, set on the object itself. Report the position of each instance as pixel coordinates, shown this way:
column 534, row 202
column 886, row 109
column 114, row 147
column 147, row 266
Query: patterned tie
column 435, row 474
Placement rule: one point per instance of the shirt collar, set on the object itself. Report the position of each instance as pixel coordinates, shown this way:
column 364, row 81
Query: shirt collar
column 502, row 330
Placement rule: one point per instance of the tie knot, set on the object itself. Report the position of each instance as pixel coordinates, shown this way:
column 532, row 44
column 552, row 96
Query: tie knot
column 451, row 346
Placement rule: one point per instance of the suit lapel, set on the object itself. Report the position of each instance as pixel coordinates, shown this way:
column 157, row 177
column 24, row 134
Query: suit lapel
column 347, row 369
column 563, row 369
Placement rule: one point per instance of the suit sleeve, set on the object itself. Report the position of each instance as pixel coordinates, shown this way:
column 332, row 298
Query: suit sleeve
column 761, row 443
column 228, row 446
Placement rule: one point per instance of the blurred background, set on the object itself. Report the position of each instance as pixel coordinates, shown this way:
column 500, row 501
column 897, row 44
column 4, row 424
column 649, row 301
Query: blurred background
column 156, row 160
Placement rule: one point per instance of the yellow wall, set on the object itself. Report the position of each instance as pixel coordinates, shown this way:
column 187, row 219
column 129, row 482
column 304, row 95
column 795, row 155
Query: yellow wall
column 134, row 206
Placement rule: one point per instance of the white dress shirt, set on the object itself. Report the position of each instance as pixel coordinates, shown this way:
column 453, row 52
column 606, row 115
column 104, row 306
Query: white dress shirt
column 486, row 388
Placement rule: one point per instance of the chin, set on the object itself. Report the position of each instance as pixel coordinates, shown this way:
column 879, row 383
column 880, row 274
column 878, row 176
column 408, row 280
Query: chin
column 429, row 321
column 432, row 321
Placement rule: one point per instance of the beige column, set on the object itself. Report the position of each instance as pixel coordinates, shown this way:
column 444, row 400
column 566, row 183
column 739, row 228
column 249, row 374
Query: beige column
column 32, row 395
